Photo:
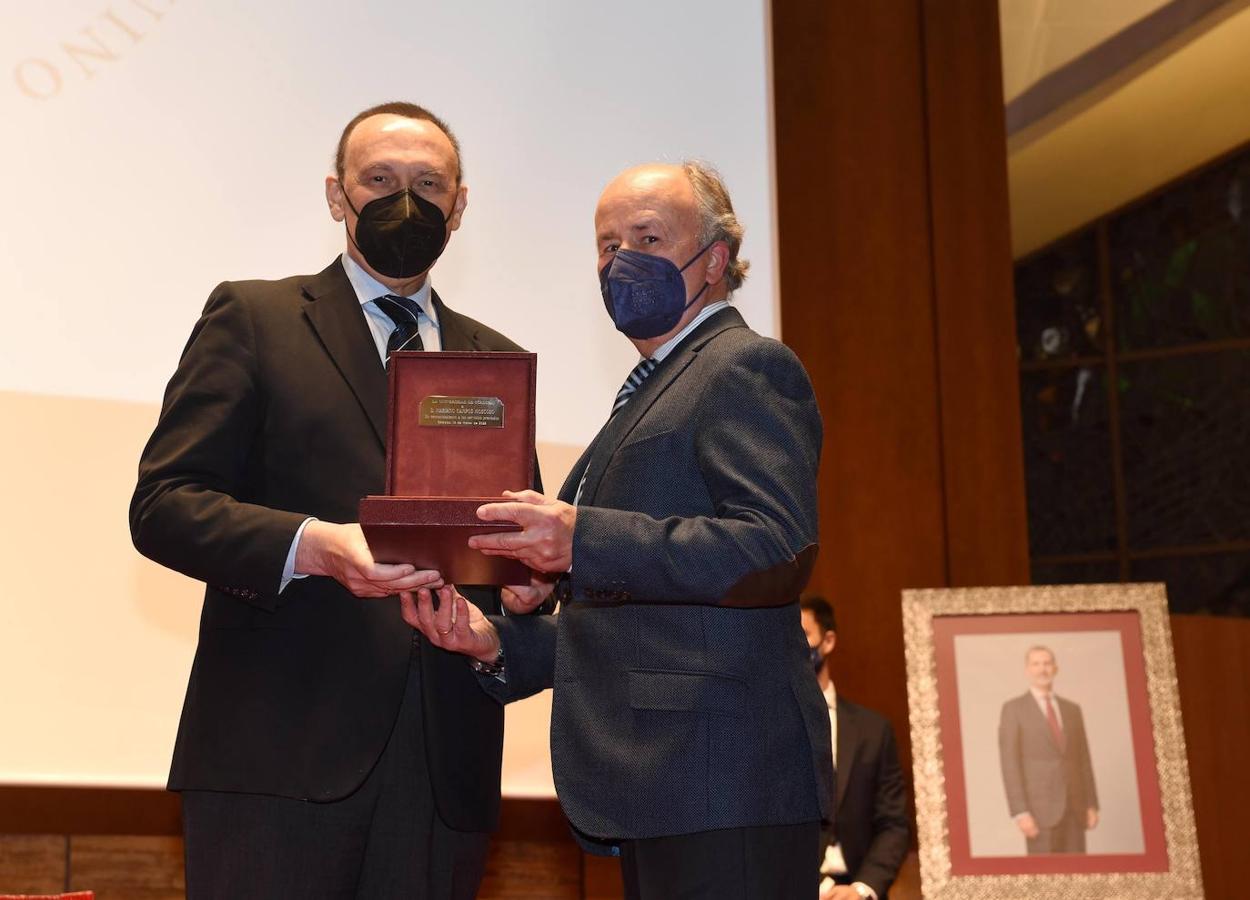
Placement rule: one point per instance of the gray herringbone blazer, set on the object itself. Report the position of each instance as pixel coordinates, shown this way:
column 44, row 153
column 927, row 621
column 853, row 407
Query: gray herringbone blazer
column 684, row 699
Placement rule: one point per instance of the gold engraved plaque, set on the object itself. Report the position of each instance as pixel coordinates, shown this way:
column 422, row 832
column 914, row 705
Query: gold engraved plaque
column 461, row 412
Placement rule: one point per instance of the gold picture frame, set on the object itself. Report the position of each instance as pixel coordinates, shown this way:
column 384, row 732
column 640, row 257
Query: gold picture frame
column 961, row 646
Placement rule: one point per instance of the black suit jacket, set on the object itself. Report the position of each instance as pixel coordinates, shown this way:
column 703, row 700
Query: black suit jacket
column 277, row 411
column 684, row 700
column 871, row 812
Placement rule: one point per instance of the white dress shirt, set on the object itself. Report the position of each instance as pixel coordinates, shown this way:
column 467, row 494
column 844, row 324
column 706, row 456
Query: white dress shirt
column 671, row 344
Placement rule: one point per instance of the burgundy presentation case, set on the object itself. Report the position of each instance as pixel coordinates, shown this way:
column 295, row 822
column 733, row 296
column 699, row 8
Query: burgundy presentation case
column 460, row 431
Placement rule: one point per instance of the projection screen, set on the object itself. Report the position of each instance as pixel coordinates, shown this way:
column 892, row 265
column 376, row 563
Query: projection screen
column 155, row 148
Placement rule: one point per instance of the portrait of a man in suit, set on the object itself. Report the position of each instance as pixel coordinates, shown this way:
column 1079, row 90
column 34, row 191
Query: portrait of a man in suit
column 1045, row 761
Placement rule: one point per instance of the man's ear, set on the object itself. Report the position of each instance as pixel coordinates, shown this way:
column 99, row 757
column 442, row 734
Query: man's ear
column 334, row 199
column 457, row 210
column 717, row 261
column 828, row 643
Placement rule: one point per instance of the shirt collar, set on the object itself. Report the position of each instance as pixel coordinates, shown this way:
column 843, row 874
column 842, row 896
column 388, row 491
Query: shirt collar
column 671, row 344
column 1040, row 696
column 831, row 696
column 368, row 288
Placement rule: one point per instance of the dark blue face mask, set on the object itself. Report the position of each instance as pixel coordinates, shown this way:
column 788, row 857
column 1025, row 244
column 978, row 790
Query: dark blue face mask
column 816, row 657
column 644, row 294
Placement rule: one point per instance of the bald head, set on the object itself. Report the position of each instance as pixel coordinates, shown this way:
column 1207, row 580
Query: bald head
column 693, row 189
column 653, row 182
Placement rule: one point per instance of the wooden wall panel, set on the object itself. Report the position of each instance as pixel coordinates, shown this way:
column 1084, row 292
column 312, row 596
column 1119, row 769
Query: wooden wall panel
column 982, row 461
column 1213, row 677
column 601, row 878
column 533, row 857
column 127, row 867
column 895, row 263
column 856, row 305
column 62, row 810
column 33, row 863
column 533, row 870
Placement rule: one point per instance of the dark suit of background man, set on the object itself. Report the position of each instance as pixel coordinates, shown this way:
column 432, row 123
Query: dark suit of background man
column 862, row 853
column 1046, row 765
column 687, row 726
column 323, row 751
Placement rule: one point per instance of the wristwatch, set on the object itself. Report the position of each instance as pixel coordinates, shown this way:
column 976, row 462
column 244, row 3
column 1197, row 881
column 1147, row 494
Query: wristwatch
column 492, row 669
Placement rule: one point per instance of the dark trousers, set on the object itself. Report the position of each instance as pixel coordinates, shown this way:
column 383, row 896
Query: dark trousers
column 772, row 862
column 384, row 841
column 1065, row 836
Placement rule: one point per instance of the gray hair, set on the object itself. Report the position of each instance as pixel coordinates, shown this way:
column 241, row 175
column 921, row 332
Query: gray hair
column 717, row 221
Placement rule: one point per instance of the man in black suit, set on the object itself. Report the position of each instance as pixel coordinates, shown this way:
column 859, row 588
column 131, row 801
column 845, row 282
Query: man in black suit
column 324, row 750
column 862, row 854
column 1045, row 760
column 688, row 732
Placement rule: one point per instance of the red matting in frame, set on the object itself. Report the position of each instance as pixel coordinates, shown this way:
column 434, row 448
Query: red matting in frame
column 1128, row 625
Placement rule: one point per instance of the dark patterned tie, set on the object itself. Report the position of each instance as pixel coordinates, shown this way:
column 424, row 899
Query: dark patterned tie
column 636, row 377
column 405, row 314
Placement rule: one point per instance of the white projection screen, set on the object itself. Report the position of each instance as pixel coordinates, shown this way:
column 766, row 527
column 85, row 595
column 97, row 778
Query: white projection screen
column 153, row 148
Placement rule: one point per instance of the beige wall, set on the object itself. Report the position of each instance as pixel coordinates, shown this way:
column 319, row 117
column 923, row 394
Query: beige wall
column 96, row 641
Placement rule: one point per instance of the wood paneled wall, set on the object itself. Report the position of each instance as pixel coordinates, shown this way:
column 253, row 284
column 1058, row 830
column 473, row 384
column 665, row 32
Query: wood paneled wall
column 1213, row 678
column 896, row 288
column 125, row 845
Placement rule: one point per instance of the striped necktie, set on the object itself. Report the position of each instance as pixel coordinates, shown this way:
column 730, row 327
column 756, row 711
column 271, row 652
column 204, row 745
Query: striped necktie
column 405, row 314
column 636, row 377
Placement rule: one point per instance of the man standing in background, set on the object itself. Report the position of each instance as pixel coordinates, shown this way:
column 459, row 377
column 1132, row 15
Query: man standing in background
column 324, row 750
column 1045, row 760
column 862, row 854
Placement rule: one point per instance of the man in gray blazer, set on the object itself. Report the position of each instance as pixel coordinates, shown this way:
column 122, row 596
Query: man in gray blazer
column 688, row 732
column 1045, row 761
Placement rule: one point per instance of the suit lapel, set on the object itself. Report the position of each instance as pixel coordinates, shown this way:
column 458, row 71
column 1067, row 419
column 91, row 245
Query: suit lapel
column 335, row 314
column 848, row 746
column 618, row 428
column 568, row 491
column 455, row 332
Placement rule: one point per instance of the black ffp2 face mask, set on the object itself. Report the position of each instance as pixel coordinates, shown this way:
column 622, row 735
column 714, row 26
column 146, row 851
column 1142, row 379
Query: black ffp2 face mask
column 399, row 235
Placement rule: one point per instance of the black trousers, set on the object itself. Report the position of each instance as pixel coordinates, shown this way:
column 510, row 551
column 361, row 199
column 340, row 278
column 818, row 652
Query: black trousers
column 384, row 841
column 772, row 862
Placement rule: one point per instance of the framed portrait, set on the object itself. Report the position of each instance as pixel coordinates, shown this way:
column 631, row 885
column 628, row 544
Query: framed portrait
column 1047, row 743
